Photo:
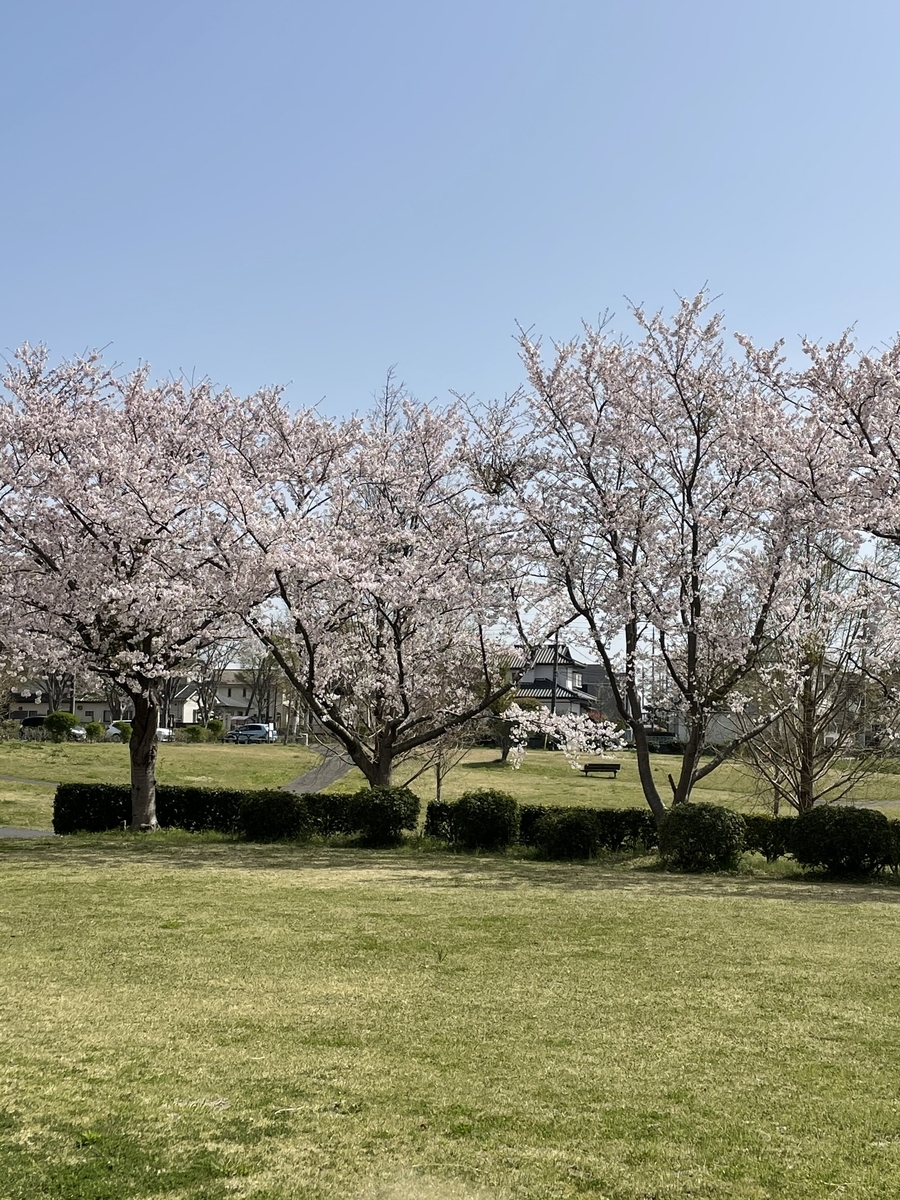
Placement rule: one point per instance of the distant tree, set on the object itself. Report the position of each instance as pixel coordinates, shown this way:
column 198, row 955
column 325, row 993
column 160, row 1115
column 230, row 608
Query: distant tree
column 208, row 671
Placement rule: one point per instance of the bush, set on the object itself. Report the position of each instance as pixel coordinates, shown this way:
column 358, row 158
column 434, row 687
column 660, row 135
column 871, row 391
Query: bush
column 439, row 820
column 96, row 807
column 616, row 827
column 215, row 728
column 529, row 816
column 271, row 816
column 10, row 730
column 380, row 815
column 767, row 835
column 845, row 841
column 194, row 733
column 485, row 819
column 95, row 731
column 641, row 828
column 330, row 813
column 59, row 724
column 568, row 833
column 91, row 807
column 701, row 837
column 124, row 728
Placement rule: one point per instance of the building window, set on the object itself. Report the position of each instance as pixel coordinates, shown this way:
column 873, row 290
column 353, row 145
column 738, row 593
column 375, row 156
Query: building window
column 229, row 693
column 244, row 693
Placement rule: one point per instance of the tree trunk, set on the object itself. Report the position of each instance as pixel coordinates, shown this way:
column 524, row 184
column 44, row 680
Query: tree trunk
column 806, row 794
column 142, row 748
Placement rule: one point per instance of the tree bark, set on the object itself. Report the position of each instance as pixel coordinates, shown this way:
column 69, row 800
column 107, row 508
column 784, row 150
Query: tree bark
column 142, row 749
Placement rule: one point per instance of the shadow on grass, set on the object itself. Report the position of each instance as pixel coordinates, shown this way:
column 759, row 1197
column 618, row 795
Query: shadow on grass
column 417, row 863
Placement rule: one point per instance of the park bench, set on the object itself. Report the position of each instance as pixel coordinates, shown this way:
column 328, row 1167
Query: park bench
column 609, row 768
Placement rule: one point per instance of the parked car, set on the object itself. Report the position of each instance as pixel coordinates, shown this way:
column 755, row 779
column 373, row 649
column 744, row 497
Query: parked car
column 33, row 727
column 231, row 736
column 114, row 734
column 256, row 733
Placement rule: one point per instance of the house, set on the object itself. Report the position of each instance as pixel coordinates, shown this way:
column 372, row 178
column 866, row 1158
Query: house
column 556, row 679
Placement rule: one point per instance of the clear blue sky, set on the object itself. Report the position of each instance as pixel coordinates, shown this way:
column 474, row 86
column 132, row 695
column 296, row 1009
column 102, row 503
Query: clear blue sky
column 309, row 192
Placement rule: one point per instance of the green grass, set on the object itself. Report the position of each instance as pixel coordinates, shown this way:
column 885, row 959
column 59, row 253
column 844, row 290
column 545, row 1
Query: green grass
column 215, row 765
column 190, row 1017
column 544, row 778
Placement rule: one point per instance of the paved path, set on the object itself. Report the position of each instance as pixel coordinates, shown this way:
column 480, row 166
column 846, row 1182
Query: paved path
column 334, row 766
column 35, row 782
column 14, row 831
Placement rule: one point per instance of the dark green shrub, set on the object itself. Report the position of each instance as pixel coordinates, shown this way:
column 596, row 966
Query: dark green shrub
column 215, row 727
column 272, row 816
column 894, row 845
column 59, row 724
column 330, row 812
column 439, row 820
column 124, row 728
column 768, row 835
column 845, row 841
column 641, row 828
column 92, row 807
column 199, row 809
column 529, row 816
column 701, row 837
column 194, row 733
column 568, row 833
column 380, row 815
column 95, row 731
column 95, row 807
column 485, row 820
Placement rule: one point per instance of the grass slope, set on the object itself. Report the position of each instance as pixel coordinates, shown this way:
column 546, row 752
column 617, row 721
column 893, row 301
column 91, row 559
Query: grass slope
column 188, row 1018
column 215, row 765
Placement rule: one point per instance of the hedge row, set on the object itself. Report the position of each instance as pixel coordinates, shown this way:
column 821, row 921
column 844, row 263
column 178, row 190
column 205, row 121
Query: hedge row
column 843, row 841
column 491, row 820
column 376, row 815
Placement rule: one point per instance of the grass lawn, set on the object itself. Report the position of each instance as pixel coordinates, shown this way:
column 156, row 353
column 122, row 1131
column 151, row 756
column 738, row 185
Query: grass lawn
column 216, row 765
column 546, row 778
column 185, row 1017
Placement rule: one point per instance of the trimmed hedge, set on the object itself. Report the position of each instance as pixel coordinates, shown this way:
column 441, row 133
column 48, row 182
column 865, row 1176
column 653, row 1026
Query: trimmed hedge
column 380, row 815
column 485, row 819
column 701, row 837
column 568, row 833
column 845, row 841
column 767, row 835
column 95, row 807
column 330, row 814
column 273, row 816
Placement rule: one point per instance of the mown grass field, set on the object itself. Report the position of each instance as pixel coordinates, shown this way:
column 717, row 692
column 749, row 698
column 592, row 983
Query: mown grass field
column 185, row 1017
column 216, row 765
column 544, row 778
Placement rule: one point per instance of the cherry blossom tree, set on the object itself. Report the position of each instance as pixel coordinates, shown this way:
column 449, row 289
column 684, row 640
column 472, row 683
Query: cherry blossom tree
column 831, row 679
column 635, row 480
column 395, row 582
column 116, row 556
column 576, row 734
